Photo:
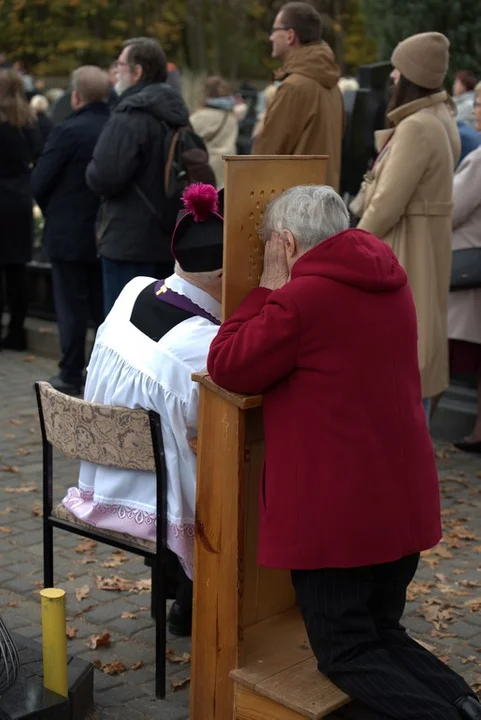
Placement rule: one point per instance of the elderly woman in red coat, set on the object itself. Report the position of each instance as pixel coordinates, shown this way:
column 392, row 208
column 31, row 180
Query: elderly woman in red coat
column 349, row 495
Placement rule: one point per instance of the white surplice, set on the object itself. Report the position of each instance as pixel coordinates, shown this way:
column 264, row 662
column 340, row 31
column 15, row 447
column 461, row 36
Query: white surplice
column 128, row 368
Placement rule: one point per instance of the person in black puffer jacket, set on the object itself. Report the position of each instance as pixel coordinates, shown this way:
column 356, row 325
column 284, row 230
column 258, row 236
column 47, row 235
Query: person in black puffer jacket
column 128, row 166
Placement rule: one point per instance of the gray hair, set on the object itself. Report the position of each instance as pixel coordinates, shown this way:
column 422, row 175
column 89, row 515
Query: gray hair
column 39, row 103
column 92, row 84
column 312, row 213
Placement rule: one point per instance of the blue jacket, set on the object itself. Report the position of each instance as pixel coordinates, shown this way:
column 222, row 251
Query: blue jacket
column 470, row 139
column 70, row 208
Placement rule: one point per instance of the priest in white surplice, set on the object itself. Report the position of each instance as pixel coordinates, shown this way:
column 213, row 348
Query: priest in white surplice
column 157, row 334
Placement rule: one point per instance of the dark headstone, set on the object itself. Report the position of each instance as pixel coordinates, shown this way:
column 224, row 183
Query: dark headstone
column 29, row 700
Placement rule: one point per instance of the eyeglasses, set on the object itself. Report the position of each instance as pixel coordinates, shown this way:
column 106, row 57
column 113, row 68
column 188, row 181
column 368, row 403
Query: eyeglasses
column 280, row 27
column 477, row 104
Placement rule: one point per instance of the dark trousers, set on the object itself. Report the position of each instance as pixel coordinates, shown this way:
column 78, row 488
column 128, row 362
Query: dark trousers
column 117, row 273
column 14, row 293
column 77, row 290
column 352, row 618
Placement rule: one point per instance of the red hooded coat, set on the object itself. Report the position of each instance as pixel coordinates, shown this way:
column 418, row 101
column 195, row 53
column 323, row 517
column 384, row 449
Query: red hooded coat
column 349, row 476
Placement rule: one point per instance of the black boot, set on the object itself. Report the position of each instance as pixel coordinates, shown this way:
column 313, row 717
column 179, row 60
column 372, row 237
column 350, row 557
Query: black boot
column 15, row 340
column 179, row 620
column 68, row 388
column 468, row 707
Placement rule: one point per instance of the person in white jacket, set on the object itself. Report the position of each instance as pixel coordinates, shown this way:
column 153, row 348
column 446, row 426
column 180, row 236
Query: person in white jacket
column 464, row 308
column 217, row 124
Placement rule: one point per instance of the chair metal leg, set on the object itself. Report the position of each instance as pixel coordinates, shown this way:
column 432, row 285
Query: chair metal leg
column 47, row 554
column 160, row 614
column 154, row 592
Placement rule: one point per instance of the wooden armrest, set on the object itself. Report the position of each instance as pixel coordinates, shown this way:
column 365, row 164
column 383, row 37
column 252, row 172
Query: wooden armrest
column 244, row 402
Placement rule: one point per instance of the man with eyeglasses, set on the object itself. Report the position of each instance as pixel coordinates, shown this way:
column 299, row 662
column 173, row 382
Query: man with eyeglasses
column 307, row 115
column 128, row 167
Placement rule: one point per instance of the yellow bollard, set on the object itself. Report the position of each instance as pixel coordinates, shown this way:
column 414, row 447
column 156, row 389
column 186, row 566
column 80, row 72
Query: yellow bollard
column 54, row 641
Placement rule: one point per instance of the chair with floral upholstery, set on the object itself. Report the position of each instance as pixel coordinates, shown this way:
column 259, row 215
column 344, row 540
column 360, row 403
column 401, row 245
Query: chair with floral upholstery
column 116, row 437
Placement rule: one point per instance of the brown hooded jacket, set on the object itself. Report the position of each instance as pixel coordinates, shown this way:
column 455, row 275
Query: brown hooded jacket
column 307, row 115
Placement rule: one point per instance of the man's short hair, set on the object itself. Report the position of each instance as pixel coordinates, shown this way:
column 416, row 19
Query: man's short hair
column 92, row 84
column 304, row 20
column 147, row 53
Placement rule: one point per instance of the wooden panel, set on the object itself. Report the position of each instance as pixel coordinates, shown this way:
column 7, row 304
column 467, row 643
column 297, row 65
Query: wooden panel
column 218, row 505
column 272, row 646
column 250, row 706
column 245, row 402
column 250, row 183
column 302, row 688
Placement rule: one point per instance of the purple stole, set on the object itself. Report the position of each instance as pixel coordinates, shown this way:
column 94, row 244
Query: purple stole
column 165, row 294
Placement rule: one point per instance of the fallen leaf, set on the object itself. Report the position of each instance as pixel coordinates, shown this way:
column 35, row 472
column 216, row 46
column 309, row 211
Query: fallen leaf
column 10, row 436
column 441, row 635
column 137, row 665
column 416, row 589
column 115, row 560
column 470, row 659
column 128, row 616
column 178, row 684
column 96, row 641
column 469, row 583
column 179, row 659
column 82, row 612
column 21, row 489
column 474, row 605
column 12, row 604
column 120, row 584
column 7, row 511
column 71, row 576
column 82, row 592
column 17, row 422
column 37, row 511
column 113, row 668
column 10, row 468
column 87, row 560
column 29, row 358
column 71, row 632
column 37, row 583
column 5, row 530
column 85, row 546
column 23, row 452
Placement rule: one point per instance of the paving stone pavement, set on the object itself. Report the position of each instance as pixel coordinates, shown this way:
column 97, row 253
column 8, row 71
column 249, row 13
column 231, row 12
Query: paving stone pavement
column 444, row 600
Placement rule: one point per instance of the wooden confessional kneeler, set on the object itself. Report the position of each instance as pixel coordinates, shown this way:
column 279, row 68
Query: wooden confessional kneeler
column 251, row 659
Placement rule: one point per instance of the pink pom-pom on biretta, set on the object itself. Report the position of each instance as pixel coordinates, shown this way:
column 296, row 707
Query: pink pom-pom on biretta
column 201, row 200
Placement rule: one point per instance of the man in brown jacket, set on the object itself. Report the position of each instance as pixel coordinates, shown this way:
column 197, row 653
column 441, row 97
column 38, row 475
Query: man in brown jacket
column 307, row 114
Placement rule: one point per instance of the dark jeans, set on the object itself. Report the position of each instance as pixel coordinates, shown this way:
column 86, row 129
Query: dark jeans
column 13, row 290
column 117, row 273
column 77, row 289
column 352, row 618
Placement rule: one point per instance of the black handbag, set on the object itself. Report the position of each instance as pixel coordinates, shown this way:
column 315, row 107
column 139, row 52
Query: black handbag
column 466, row 269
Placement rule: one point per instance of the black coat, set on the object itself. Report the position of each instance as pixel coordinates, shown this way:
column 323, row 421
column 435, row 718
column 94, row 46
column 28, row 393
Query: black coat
column 70, row 208
column 19, row 148
column 45, row 126
column 130, row 151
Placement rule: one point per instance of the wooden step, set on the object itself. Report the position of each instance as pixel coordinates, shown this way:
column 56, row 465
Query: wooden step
column 279, row 679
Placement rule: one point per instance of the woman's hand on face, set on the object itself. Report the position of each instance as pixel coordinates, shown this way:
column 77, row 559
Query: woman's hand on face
column 276, row 271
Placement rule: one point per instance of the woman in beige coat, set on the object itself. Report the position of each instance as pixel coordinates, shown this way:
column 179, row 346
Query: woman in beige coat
column 217, row 125
column 464, row 309
column 408, row 194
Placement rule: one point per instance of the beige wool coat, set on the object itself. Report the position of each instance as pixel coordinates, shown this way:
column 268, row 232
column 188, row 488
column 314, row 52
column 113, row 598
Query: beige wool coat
column 464, row 308
column 408, row 204
column 219, row 130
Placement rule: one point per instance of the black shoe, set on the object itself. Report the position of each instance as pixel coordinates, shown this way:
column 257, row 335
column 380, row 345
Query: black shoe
column 58, row 384
column 180, row 621
column 15, row 341
column 468, row 707
column 467, row 446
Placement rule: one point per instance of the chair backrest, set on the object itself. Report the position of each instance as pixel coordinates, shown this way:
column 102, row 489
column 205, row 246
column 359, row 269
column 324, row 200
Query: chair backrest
column 101, row 434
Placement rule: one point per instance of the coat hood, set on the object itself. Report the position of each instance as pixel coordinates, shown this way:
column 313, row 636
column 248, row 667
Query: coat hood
column 157, row 99
column 315, row 61
column 356, row 258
